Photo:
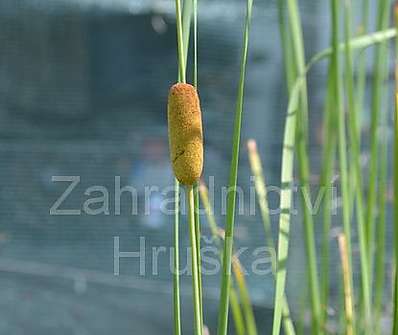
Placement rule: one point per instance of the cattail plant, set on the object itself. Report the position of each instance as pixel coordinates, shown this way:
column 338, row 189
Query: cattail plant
column 342, row 118
column 185, row 133
column 186, row 155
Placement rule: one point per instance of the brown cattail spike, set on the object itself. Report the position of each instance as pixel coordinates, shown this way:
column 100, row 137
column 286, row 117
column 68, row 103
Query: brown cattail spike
column 185, row 133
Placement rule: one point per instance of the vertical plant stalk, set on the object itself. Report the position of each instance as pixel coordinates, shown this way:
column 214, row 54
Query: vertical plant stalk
column 290, row 35
column 342, row 141
column 195, row 43
column 176, row 257
column 381, row 238
column 194, row 260
column 231, row 196
column 365, row 281
column 288, row 158
column 286, row 43
column 328, row 160
column 348, row 297
column 176, row 263
column 361, row 73
column 186, row 25
column 379, row 77
column 360, row 88
column 196, row 188
column 285, row 206
column 245, row 296
column 395, row 299
column 357, row 185
column 261, row 191
column 303, row 162
column 381, row 224
column 240, row 326
column 395, row 184
column 199, row 258
column 237, row 313
column 180, row 44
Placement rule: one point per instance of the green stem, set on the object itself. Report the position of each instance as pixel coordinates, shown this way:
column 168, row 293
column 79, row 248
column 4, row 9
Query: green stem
column 295, row 65
column 286, row 41
column 304, row 167
column 186, row 25
column 361, row 73
column 285, row 206
column 180, row 45
column 381, row 239
column 245, row 297
column 356, row 187
column 366, row 289
column 196, row 190
column 261, row 191
column 342, row 142
column 360, row 88
column 237, row 313
column 195, row 44
column 395, row 183
column 176, row 274
column 328, row 159
column 176, row 263
column 381, row 54
column 194, row 260
column 347, row 285
column 231, row 196
column 234, row 299
column 381, row 225
column 198, row 236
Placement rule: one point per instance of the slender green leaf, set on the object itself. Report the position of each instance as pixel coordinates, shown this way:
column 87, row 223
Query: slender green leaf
column 377, row 88
column 231, row 197
column 261, row 191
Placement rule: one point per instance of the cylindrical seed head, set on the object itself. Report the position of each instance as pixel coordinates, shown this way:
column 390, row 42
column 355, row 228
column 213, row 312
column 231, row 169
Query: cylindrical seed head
column 185, row 133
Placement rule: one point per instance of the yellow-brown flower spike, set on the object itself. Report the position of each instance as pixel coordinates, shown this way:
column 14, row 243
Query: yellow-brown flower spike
column 185, row 133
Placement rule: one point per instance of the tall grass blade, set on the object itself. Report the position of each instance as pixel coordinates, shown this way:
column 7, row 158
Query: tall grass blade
column 237, row 314
column 362, row 69
column 285, row 205
column 288, row 157
column 360, row 88
column 261, row 191
column 195, row 44
column 365, row 274
column 358, row 43
column 356, row 184
column 196, row 188
column 381, row 236
column 287, row 165
column 380, row 243
column 379, row 64
column 198, row 329
column 326, row 183
column 187, row 12
column 180, row 43
column 286, row 43
column 347, row 273
column 231, row 197
column 245, row 297
column 342, row 141
column 395, row 299
column 395, row 184
column 303, row 162
column 176, row 261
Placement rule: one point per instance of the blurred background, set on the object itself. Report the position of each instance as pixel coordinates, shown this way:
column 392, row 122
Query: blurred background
column 83, row 89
